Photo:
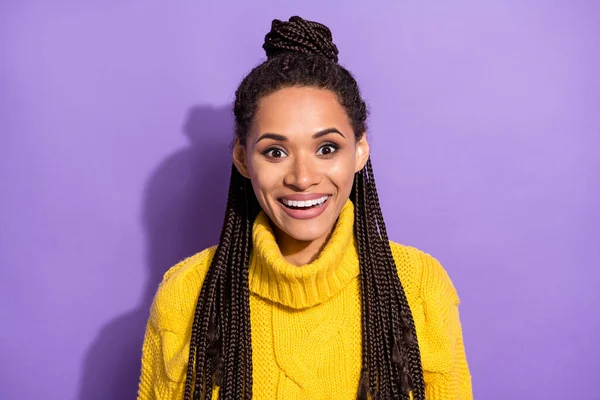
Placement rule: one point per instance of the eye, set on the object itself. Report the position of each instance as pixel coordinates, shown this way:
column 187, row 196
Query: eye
column 327, row 149
column 274, row 152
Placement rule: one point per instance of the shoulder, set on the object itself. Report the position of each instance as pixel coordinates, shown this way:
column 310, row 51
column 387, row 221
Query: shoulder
column 177, row 294
column 422, row 275
column 434, row 304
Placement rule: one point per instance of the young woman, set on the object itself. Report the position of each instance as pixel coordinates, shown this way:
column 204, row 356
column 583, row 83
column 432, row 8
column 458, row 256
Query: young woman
column 304, row 297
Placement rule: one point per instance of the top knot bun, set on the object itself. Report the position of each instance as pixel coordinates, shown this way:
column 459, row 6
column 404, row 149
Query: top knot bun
column 299, row 36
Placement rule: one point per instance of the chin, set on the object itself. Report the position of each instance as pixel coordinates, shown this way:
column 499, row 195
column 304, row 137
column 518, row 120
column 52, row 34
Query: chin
column 307, row 231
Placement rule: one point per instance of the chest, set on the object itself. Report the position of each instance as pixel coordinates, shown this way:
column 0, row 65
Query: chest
column 312, row 353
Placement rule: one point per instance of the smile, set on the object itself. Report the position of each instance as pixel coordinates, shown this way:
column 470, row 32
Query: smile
column 304, row 203
column 305, row 209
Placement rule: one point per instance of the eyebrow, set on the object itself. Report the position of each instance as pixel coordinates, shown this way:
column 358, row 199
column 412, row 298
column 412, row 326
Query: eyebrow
column 282, row 138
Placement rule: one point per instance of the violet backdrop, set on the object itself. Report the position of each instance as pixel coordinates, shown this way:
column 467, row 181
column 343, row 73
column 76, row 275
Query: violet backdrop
column 114, row 162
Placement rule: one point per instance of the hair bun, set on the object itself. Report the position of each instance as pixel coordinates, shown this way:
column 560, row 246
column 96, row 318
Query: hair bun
column 300, row 36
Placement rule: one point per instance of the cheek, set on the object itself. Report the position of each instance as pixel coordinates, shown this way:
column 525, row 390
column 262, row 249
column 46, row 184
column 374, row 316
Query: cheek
column 264, row 176
column 342, row 172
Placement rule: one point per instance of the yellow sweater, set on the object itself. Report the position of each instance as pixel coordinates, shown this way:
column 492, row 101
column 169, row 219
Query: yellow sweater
column 306, row 321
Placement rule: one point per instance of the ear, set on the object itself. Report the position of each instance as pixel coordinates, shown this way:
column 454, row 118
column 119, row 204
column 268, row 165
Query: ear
column 239, row 158
column 362, row 152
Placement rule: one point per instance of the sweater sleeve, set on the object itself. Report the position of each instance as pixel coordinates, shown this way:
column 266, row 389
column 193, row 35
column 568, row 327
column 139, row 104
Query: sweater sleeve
column 153, row 384
column 165, row 350
column 445, row 368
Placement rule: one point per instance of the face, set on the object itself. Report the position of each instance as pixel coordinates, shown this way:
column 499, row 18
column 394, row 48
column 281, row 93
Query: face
column 301, row 156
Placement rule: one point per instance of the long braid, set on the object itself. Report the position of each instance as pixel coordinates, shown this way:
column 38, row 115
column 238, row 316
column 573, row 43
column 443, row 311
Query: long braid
column 380, row 380
column 230, row 356
column 246, row 333
column 241, row 260
column 385, row 299
column 369, row 369
column 205, row 313
column 399, row 339
column 408, row 334
column 373, row 319
column 219, row 353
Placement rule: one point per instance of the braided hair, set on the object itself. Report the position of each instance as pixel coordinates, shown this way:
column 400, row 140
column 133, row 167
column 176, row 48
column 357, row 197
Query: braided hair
column 301, row 53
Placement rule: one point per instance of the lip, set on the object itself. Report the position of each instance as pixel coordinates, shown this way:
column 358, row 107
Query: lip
column 308, row 213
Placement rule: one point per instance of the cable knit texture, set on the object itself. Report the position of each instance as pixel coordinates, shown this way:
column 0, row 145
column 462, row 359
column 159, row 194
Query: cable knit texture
column 306, row 321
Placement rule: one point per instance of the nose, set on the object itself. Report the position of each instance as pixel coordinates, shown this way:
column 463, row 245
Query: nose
column 302, row 174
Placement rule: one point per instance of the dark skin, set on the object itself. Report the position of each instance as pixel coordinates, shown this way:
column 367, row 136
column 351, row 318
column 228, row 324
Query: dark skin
column 300, row 142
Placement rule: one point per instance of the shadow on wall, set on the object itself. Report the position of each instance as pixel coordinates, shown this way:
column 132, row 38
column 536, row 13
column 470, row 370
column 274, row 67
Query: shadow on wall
column 184, row 206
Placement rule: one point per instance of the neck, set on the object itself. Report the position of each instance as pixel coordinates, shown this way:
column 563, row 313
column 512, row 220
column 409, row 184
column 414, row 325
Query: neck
column 300, row 274
column 299, row 252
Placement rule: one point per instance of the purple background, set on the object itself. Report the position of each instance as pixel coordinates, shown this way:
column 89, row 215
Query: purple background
column 114, row 133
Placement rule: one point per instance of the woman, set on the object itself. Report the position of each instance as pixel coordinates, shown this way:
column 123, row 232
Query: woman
column 304, row 297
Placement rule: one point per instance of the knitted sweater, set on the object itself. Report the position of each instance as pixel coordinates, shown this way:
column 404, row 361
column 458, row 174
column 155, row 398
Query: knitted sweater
column 306, row 321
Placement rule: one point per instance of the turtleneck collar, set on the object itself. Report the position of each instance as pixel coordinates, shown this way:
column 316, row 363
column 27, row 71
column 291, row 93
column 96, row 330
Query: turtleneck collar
column 275, row 279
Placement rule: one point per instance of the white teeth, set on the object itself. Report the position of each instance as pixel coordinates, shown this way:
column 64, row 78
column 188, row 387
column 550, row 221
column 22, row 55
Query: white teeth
column 304, row 203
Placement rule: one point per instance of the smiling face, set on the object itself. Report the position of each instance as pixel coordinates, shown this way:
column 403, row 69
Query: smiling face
column 301, row 156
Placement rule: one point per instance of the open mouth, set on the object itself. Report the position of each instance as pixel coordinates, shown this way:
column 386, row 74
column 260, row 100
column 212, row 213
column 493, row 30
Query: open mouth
column 304, row 204
column 305, row 209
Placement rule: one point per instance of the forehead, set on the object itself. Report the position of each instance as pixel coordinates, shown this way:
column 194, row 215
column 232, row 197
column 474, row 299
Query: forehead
column 300, row 111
